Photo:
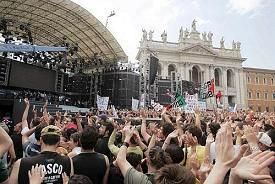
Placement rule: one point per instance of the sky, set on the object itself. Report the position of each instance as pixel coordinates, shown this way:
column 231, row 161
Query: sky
column 252, row 22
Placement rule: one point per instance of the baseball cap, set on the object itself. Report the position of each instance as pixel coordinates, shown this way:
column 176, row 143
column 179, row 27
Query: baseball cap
column 51, row 130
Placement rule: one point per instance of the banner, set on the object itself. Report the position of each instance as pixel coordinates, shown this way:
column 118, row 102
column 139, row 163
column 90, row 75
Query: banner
column 179, row 102
column 202, row 106
column 102, row 103
column 207, row 89
column 191, row 103
column 157, row 106
column 135, row 104
column 29, row 48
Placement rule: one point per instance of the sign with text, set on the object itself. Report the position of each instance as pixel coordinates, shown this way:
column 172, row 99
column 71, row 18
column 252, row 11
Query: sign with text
column 102, row 103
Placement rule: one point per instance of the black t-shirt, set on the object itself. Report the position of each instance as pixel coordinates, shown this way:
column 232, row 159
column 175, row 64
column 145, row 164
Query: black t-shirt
column 115, row 175
column 17, row 142
column 102, row 147
column 91, row 164
column 52, row 163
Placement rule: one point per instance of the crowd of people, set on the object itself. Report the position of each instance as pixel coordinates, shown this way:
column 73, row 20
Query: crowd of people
column 139, row 147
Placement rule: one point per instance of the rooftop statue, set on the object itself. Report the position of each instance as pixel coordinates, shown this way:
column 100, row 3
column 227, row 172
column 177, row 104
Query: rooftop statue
column 144, row 35
column 164, row 36
column 194, row 28
column 151, row 35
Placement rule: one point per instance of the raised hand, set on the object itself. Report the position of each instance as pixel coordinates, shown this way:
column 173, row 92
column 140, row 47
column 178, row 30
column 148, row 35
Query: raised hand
column 250, row 167
column 174, row 134
column 65, row 178
column 27, row 102
column 224, row 146
column 250, row 136
column 36, row 175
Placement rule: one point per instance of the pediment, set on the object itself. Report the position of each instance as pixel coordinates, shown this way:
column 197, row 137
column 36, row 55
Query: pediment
column 199, row 49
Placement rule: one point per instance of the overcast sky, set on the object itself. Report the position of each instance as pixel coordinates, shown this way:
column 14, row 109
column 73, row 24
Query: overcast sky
column 252, row 22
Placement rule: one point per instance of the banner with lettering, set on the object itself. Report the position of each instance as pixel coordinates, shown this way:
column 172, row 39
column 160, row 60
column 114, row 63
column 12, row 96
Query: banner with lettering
column 191, row 103
column 207, row 89
column 157, row 106
column 102, row 103
column 135, row 103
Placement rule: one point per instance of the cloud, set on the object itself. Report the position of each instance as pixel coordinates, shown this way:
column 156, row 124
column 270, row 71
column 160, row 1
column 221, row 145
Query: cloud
column 196, row 4
column 246, row 6
column 201, row 21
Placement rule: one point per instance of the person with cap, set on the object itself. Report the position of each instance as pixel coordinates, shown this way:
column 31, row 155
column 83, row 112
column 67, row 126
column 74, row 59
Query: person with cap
column 53, row 165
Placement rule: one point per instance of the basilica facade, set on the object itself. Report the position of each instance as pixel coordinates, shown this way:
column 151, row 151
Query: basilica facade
column 195, row 58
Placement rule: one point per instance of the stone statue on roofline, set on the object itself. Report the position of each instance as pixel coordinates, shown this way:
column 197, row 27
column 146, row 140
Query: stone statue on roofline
column 144, row 35
column 238, row 45
column 164, row 36
column 151, row 35
column 222, row 43
column 186, row 33
column 210, row 35
column 204, row 36
column 181, row 34
column 234, row 45
column 194, row 27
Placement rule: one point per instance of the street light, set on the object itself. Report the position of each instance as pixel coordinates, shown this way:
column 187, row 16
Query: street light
column 111, row 14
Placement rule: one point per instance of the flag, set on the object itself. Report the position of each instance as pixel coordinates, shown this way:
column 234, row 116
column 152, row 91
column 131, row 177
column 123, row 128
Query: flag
column 207, row 89
column 178, row 102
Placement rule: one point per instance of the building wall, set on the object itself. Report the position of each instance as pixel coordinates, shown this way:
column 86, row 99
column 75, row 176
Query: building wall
column 195, row 50
column 260, row 89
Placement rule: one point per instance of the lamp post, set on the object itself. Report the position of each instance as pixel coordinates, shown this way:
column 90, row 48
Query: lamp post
column 111, row 14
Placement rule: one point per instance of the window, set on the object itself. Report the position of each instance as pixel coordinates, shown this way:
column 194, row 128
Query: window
column 259, row 109
column 264, row 81
column 265, row 96
column 267, row 109
column 257, row 80
column 272, row 81
column 249, row 95
column 217, row 77
column 248, row 79
column 273, row 96
column 230, row 78
column 258, row 95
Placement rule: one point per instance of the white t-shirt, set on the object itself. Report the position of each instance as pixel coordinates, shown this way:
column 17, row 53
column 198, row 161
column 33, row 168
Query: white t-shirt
column 31, row 137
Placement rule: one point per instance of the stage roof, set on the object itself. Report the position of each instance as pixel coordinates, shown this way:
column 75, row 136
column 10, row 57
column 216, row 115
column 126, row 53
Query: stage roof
column 51, row 20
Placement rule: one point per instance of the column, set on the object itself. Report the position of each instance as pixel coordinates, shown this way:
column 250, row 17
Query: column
column 237, row 81
column 187, row 67
column 207, row 73
column 224, row 81
column 243, row 89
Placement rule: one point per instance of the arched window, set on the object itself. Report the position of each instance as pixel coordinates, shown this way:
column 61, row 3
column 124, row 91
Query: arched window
column 218, row 77
column 230, row 78
column 196, row 77
column 171, row 68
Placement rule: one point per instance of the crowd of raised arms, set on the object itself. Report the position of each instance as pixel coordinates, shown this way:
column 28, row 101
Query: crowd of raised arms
column 136, row 147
